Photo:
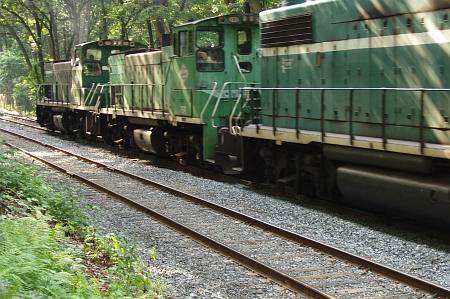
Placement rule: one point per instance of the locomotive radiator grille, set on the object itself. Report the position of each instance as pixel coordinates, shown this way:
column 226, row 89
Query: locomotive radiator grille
column 287, row 32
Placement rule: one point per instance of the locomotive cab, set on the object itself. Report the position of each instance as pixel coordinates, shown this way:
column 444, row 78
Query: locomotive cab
column 74, row 84
column 213, row 58
column 90, row 68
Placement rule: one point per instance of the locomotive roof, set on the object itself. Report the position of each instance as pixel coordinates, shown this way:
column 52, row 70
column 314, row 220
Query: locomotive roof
column 354, row 10
column 103, row 41
column 196, row 22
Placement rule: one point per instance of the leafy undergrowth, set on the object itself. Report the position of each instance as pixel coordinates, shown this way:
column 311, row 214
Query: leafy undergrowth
column 47, row 250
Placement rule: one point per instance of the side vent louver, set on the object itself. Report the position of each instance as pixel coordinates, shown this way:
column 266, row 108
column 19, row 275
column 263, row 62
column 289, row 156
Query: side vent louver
column 287, row 32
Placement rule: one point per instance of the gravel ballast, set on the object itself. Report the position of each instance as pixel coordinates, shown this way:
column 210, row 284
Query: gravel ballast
column 366, row 235
column 186, row 268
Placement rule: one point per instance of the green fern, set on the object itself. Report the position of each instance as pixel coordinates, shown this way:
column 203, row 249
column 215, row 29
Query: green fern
column 46, row 246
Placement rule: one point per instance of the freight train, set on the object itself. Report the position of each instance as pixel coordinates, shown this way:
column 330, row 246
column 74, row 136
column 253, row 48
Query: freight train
column 338, row 99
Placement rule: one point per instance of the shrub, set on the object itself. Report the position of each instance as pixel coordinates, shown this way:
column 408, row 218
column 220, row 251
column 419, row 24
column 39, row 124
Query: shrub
column 47, row 250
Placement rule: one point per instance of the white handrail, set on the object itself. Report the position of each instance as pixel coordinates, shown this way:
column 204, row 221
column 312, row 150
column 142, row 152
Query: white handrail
column 219, row 99
column 213, row 91
column 230, row 120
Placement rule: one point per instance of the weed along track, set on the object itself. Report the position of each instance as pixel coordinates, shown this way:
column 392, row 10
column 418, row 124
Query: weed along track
column 300, row 264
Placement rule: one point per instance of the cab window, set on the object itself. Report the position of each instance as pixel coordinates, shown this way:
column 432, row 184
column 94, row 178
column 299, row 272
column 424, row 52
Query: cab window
column 92, row 68
column 244, row 42
column 76, row 57
column 209, row 38
column 210, row 56
column 210, row 60
column 91, row 64
column 184, row 43
column 93, row 55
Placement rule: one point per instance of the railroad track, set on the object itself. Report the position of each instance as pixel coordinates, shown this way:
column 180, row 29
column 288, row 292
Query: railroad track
column 21, row 122
column 298, row 263
column 18, row 117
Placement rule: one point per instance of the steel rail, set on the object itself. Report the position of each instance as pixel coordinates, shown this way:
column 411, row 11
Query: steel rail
column 25, row 125
column 24, row 118
column 402, row 277
column 244, row 260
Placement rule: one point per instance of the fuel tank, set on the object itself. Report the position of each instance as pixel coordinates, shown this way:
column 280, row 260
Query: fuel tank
column 150, row 141
column 425, row 198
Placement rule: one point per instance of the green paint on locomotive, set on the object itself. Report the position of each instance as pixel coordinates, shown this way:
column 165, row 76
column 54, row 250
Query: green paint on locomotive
column 351, row 44
column 178, row 80
column 75, row 79
column 137, row 80
column 206, row 52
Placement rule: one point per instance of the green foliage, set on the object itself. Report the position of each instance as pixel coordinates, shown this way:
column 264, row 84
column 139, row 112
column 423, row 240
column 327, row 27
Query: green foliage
column 125, row 270
column 12, row 69
column 34, row 263
column 25, row 192
column 48, row 251
column 23, row 93
column 15, row 83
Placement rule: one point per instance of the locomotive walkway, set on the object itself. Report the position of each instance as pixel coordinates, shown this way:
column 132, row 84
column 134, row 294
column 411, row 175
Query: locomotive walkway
column 294, row 261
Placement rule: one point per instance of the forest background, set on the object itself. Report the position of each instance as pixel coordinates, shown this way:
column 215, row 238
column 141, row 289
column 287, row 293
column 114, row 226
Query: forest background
column 33, row 32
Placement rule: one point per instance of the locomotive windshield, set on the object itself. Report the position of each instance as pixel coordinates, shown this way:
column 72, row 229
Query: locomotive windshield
column 210, row 56
column 244, row 43
column 91, row 65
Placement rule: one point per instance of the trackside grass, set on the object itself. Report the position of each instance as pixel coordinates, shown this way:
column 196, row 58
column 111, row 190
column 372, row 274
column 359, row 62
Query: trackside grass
column 47, row 249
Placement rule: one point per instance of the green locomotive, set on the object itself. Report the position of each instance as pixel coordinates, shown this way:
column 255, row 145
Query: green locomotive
column 354, row 102
column 171, row 101
column 339, row 99
column 66, row 99
column 174, row 100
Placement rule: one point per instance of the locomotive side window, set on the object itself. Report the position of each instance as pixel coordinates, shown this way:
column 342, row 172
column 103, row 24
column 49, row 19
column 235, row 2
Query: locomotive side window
column 244, row 41
column 209, row 38
column 210, row 60
column 76, row 58
column 91, row 65
column 185, row 43
column 93, row 55
column 210, row 56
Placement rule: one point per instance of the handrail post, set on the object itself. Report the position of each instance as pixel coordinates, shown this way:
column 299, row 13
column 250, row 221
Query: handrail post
column 297, row 113
column 422, row 122
column 383, row 118
column 123, row 97
column 153, row 98
column 163, row 98
column 274, row 107
column 350, row 129
column 322, row 115
column 142, row 98
column 132, row 96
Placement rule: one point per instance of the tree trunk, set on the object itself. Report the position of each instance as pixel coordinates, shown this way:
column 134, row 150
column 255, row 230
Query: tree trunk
column 150, row 34
column 123, row 30
column 54, row 34
column 16, row 37
column 104, row 34
column 40, row 51
column 255, row 6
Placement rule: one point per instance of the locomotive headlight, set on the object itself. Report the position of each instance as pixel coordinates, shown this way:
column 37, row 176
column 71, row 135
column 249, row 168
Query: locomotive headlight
column 233, row 19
